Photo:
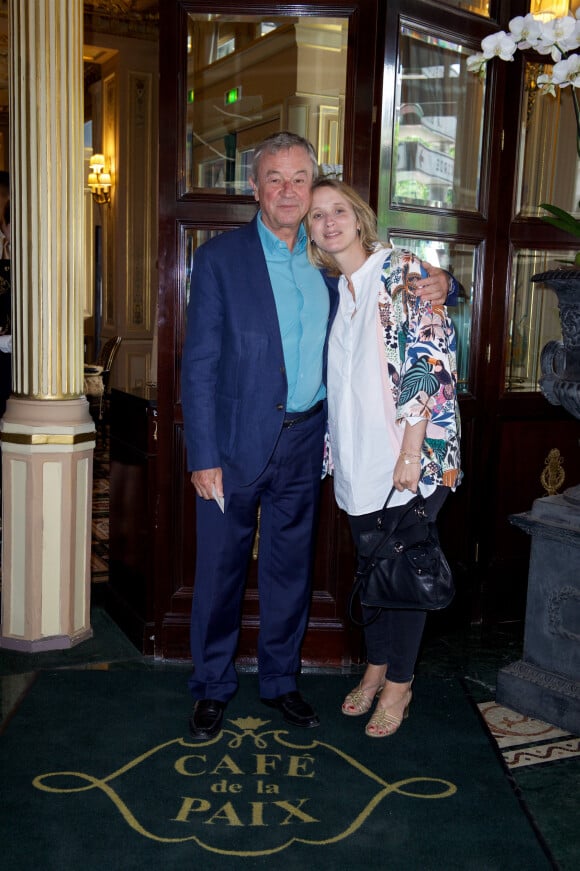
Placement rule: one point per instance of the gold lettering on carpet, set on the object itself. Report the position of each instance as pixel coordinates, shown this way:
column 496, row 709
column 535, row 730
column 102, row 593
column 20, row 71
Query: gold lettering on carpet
column 223, row 785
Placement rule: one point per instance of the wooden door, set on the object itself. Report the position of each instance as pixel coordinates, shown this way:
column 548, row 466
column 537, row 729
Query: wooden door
column 478, row 205
column 462, row 167
column 228, row 78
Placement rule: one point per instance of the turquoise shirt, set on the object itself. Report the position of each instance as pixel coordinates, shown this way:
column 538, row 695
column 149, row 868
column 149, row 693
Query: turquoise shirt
column 303, row 307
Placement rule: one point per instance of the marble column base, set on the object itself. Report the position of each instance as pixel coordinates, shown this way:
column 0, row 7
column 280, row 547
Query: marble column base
column 47, row 479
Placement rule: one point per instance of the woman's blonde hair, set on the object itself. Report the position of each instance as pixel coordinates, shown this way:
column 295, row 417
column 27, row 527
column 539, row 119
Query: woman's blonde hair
column 366, row 220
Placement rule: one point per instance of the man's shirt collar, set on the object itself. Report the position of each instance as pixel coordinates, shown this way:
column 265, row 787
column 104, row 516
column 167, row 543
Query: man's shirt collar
column 273, row 245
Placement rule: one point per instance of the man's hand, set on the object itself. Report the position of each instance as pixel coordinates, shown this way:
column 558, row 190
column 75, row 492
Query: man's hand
column 208, row 483
column 435, row 287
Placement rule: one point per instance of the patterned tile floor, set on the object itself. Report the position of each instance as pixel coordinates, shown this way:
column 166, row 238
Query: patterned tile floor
column 526, row 741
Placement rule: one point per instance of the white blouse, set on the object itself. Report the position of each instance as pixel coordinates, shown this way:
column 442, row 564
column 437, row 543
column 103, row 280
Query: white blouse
column 363, row 452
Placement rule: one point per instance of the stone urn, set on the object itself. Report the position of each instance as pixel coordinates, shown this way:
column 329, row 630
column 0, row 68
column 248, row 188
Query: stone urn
column 560, row 361
column 545, row 683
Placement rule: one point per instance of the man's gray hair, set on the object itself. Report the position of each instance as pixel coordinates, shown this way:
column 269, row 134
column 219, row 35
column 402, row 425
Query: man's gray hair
column 282, row 141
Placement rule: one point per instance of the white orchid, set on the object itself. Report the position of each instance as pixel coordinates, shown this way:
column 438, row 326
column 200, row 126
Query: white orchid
column 476, row 63
column 565, row 72
column 525, row 31
column 557, row 38
column 498, row 45
column 559, row 30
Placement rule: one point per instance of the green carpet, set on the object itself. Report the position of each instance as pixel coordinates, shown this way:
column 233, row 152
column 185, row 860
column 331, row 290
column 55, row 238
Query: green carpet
column 108, row 644
column 98, row 772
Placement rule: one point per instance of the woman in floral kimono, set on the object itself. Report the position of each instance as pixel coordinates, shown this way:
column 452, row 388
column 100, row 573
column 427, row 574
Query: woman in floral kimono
column 392, row 415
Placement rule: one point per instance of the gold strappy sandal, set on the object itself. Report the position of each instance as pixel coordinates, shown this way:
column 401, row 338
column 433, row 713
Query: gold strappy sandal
column 359, row 701
column 383, row 724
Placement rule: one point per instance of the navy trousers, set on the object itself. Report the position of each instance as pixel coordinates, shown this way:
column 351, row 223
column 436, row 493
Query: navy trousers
column 395, row 636
column 288, row 492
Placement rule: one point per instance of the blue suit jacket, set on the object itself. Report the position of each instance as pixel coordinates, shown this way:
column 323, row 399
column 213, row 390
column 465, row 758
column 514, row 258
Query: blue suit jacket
column 234, row 386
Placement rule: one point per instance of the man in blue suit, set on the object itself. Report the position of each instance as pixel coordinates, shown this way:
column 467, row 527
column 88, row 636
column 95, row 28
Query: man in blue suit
column 253, row 405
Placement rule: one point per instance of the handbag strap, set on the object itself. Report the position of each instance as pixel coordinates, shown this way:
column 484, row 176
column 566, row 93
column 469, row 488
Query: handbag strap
column 389, row 497
column 418, row 502
column 355, row 588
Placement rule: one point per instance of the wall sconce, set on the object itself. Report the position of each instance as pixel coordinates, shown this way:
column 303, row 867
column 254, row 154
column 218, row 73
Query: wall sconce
column 99, row 181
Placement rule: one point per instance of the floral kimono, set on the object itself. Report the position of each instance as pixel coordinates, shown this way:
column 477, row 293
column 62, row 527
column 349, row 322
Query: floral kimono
column 419, row 346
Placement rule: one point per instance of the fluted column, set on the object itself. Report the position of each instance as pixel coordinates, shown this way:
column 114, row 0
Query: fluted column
column 47, row 432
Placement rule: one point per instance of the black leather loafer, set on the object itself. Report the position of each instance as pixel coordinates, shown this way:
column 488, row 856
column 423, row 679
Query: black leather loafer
column 206, row 720
column 296, row 711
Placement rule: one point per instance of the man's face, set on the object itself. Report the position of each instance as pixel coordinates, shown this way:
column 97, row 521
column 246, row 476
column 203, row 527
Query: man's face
column 283, row 189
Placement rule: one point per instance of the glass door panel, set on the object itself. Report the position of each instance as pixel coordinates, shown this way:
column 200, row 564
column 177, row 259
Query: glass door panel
column 533, row 318
column 460, row 260
column 478, row 7
column 252, row 75
column 548, row 164
column 438, row 126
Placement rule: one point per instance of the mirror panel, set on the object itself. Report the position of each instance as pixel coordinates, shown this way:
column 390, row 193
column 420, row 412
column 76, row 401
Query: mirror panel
column 478, row 7
column 548, row 162
column 534, row 319
column 236, row 95
column 438, row 126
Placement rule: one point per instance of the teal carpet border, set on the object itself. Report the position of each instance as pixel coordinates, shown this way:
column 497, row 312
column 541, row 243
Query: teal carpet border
column 99, row 772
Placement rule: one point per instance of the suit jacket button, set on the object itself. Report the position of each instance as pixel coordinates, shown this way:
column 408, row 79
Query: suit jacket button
column 283, row 370
column 280, row 407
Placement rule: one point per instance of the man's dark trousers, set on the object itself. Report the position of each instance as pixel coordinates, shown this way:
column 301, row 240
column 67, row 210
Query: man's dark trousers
column 288, row 492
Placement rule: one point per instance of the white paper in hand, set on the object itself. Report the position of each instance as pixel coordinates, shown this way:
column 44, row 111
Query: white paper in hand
column 218, row 499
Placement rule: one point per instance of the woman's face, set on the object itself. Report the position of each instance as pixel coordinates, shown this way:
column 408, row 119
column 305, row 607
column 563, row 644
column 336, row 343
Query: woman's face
column 333, row 223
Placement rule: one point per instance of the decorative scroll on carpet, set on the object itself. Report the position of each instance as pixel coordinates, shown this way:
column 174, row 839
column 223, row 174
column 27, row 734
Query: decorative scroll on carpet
column 112, row 780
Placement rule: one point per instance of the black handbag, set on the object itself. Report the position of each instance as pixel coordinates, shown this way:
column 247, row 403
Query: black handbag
column 401, row 564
